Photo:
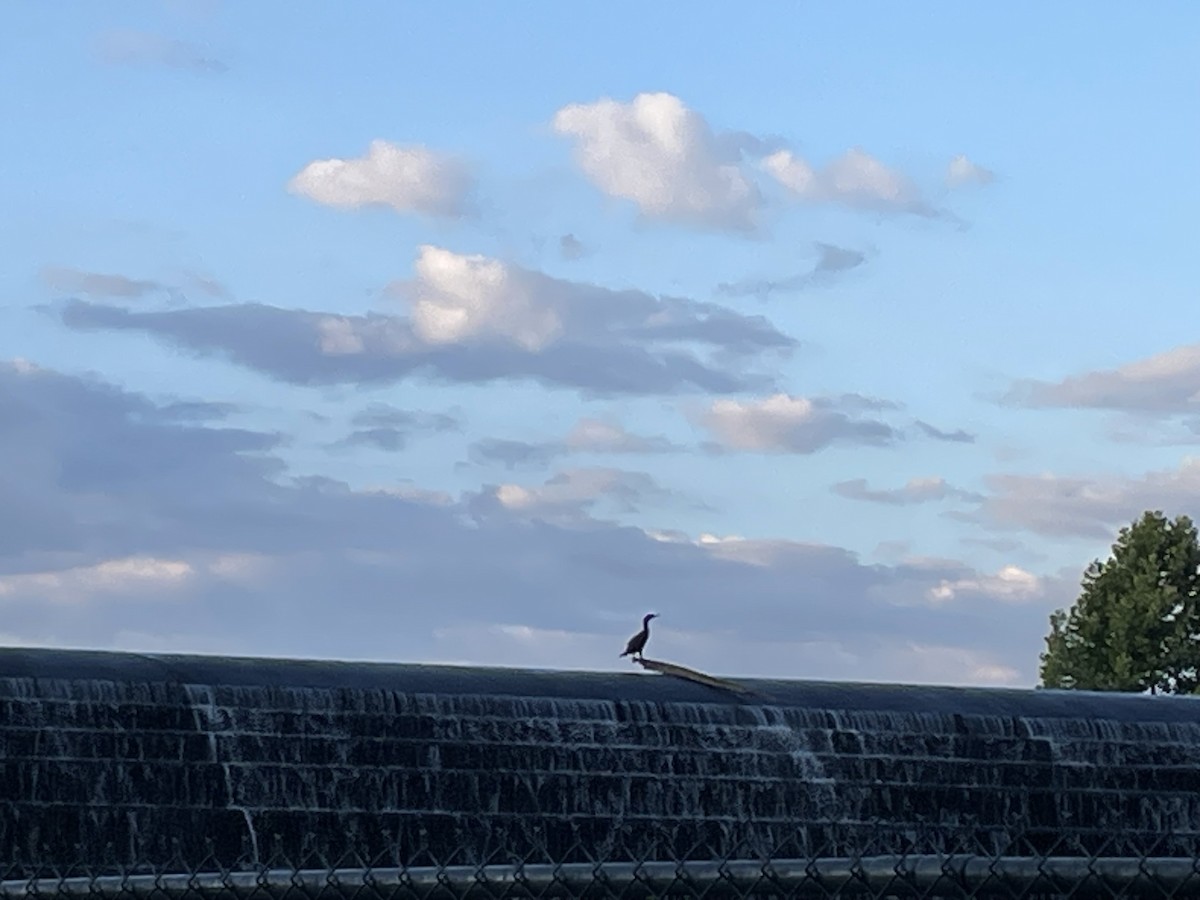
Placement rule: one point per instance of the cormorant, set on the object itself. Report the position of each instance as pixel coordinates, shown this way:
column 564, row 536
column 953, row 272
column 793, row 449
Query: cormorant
column 638, row 642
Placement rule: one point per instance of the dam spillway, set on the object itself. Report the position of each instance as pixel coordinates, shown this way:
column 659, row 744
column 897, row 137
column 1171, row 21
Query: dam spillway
column 124, row 763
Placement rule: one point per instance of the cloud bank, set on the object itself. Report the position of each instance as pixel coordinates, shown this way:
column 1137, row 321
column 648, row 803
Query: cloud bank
column 472, row 318
column 128, row 528
column 1167, row 383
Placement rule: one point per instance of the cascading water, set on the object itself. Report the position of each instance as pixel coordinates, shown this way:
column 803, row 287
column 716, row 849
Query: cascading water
column 129, row 763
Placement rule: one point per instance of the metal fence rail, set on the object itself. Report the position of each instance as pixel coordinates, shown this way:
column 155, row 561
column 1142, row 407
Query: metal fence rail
column 866, row 877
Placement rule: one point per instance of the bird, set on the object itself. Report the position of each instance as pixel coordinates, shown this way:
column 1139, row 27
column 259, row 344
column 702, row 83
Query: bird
column 638, row 642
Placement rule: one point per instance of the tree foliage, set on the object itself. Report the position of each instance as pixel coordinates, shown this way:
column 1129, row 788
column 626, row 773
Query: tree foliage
column 1136, row 624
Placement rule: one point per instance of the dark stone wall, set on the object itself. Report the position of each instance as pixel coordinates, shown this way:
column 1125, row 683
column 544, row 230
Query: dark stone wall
column 130, row 763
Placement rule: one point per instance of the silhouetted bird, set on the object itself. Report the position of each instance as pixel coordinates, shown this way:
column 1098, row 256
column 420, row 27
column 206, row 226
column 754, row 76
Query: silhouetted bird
column 637, row 643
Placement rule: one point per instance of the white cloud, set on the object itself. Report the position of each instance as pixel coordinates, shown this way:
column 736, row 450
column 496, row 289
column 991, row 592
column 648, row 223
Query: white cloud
column 475, row 318
column 460, row 299
column 1092, row 506
column 754, row 551
column 457, row 298
column 409, row 491
column 1011, row 584
column 132, row 574
column 574, row 495
column 915, row 490
column 591, row 435
column 664, row 157
column 855, row 179
column 405, row 178
column 947, row 664
column 1167, row 383
column 961, row 172
column 668, row 160
column 783, row 423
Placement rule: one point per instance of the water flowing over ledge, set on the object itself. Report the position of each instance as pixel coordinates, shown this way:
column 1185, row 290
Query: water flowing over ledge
column 119, row 764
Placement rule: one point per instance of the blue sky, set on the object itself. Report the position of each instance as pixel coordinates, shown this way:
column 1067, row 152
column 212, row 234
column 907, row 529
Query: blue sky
column 843, row 335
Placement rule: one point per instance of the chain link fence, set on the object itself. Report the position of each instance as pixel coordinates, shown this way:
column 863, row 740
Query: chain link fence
column 1070, row 868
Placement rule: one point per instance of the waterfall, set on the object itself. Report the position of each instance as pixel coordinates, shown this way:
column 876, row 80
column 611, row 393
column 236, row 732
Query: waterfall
column 238, row 763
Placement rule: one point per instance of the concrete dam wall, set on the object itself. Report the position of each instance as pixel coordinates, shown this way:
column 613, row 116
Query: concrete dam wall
column 133, row 763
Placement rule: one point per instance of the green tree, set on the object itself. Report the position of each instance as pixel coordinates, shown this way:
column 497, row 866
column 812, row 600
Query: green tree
column 1136, row 624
